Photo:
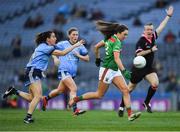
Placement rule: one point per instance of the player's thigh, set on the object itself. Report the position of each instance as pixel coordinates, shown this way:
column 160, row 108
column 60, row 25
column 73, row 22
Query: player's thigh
column 31, row 93
column 70, row 84
column 120, row 83
column 36, row 88
column 152, row 78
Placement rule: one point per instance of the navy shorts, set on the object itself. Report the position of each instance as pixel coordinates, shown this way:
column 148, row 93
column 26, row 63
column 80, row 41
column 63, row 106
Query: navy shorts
column 32, row 75
column 138, row 74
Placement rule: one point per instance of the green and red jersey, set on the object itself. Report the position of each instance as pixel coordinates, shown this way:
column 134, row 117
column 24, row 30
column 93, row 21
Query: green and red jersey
column 111, row 45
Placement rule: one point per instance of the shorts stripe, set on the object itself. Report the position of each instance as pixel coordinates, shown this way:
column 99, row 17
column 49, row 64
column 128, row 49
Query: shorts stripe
column 104, row 74
column 31, row 75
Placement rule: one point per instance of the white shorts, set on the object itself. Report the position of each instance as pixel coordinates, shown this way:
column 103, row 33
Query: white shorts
column 107, row 75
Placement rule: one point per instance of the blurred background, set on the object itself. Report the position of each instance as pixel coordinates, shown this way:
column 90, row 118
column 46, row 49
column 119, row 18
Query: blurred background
column 21, row 20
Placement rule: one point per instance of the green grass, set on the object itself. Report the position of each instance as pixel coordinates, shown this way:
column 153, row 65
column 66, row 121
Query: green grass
column 56, row 120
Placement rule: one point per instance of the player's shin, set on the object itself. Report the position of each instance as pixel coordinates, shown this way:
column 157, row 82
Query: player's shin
column 127, row 103
column 150, row 94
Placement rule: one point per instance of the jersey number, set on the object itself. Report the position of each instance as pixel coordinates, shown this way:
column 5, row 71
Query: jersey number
column 106, row 49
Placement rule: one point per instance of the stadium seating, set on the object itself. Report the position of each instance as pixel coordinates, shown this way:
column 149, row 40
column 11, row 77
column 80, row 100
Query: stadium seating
column 111, row 11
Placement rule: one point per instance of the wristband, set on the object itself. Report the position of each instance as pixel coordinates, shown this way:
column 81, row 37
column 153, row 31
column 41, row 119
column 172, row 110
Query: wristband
column 169, row 15
column 151, row 50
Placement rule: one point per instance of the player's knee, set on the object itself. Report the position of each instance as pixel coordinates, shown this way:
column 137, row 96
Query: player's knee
column 38, row 97
column 154, row 86
column 30, row 99
column 73, row 91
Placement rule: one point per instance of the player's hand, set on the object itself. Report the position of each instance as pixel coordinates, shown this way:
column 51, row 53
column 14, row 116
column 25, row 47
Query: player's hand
column 169, row 11
column 80, row 43
column 98, row 62
column 154, row 48
column 126, row 74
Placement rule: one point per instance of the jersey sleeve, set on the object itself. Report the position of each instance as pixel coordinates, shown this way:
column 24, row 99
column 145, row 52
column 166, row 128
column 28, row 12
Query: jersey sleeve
column 59, row 46
column 117, row 46
column 155, row 36
column 51, row 49
column 140, row 45
column 83, row 51
column 46, row 49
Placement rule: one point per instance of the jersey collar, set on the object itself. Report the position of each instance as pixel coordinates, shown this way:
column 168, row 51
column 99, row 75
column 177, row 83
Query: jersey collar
column 149, row 40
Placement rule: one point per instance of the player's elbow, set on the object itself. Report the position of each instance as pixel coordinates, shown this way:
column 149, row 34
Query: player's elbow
column 95, row 49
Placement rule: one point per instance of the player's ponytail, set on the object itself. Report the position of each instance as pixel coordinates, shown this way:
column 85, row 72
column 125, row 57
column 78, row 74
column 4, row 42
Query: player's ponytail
column 108, row 28
column 42, row 37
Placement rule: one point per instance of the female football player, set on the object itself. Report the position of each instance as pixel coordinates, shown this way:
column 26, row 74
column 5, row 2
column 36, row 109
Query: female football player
column 67, row 70
column 110, row 71
column 34, row 70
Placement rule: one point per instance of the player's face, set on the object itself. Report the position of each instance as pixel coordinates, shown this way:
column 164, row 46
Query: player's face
column 123, row 35
column 148, row 30
column 52, row 39
column 74, row 37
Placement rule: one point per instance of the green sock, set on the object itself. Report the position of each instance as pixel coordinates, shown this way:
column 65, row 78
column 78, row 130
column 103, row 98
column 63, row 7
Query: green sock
column 81, row 97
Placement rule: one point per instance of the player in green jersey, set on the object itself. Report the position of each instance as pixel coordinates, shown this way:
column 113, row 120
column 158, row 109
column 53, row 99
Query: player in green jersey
column 110, row 71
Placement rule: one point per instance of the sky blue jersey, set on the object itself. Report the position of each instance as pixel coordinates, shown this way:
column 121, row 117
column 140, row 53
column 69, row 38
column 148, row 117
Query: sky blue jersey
column 69, row 62
column 40, row 57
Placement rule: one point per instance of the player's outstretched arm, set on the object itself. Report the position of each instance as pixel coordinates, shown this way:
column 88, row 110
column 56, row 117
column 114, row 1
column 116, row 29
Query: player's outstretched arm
column 64, row 52
column 96, row 48
column 169, row 12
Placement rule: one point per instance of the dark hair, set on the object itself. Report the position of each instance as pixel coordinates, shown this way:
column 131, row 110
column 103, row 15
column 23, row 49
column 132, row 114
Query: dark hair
column 42, row 37
column 148, row 24
column 108, row 28
column 71, row 30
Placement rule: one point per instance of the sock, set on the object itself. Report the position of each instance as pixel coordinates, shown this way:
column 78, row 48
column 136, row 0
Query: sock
column 129, row 111
column 17, row 92
column 122, row 103
column 150, row 94
column 78, row 98
column 74, row 107
column 48, row 97
column 28, row 115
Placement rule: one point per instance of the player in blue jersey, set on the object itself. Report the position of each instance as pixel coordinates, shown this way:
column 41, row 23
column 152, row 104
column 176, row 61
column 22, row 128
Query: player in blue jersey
column 67, row 70
column 34, row 70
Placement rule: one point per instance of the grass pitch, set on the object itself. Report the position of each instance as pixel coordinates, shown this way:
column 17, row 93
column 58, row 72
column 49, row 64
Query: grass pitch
column 57, row 120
